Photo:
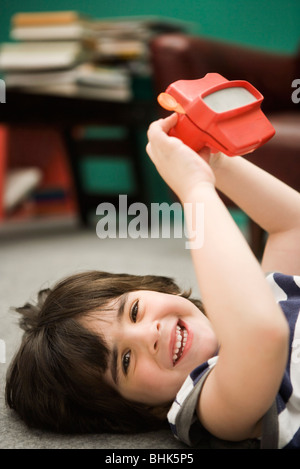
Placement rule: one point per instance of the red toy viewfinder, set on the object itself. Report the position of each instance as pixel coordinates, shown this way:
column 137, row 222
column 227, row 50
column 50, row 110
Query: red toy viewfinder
column 220, row 114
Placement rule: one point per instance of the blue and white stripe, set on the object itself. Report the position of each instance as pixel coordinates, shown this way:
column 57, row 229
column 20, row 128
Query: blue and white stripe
column 287, row 292
column 188, row 386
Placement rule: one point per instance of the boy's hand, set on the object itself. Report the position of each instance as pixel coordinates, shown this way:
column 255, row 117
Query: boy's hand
column 179, row 165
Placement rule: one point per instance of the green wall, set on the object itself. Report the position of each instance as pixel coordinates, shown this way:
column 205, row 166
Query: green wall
column 270, row 24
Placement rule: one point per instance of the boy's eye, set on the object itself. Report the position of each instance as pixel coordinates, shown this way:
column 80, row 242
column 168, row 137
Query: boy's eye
column 133, row 316
column 126, row 362
column 134, row 311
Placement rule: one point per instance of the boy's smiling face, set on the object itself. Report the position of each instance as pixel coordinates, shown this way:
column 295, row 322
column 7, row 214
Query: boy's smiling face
column 155, row 340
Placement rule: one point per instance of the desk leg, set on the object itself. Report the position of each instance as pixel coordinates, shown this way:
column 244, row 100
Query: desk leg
column 138, row 169
column 74, row 159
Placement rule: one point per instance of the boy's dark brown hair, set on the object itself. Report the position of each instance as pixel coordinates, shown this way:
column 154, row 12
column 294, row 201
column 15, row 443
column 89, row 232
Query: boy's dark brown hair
column 55, row 382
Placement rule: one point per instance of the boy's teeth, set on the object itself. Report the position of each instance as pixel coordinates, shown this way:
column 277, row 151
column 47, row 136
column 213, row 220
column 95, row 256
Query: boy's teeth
column 181, row 338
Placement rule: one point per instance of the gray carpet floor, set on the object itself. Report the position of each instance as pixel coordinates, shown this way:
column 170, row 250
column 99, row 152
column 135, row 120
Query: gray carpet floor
column 37, row 257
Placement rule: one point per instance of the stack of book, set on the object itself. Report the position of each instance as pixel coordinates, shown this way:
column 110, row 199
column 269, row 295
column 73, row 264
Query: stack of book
column 37, row 181
column 47, row 49
column 55, row 49
column 121, row 50
column 62, row 25
column 127, row 38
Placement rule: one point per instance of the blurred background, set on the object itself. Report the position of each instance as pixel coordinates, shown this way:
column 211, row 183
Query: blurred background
column 102, row 53
column 80, row 92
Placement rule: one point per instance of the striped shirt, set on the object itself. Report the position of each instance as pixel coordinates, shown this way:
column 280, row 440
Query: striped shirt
column 281, row 425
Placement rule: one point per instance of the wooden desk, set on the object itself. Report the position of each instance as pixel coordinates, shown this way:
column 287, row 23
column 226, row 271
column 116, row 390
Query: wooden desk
column 66, row 109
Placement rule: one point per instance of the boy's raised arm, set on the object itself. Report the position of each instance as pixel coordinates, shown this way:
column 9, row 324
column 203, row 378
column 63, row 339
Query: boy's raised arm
column 250, row 327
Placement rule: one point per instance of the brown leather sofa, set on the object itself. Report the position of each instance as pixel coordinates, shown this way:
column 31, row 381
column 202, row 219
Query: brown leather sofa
column 182, row 57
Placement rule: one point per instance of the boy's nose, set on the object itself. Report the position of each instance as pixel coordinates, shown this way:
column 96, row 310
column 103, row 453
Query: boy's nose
column 149, row 335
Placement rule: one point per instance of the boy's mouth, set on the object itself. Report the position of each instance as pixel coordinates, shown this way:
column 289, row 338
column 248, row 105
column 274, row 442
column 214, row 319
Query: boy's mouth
column 180, row 342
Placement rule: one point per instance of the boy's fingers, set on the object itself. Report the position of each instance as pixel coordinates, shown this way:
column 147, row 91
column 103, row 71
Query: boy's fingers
column 169, row 122
column 162, row 124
